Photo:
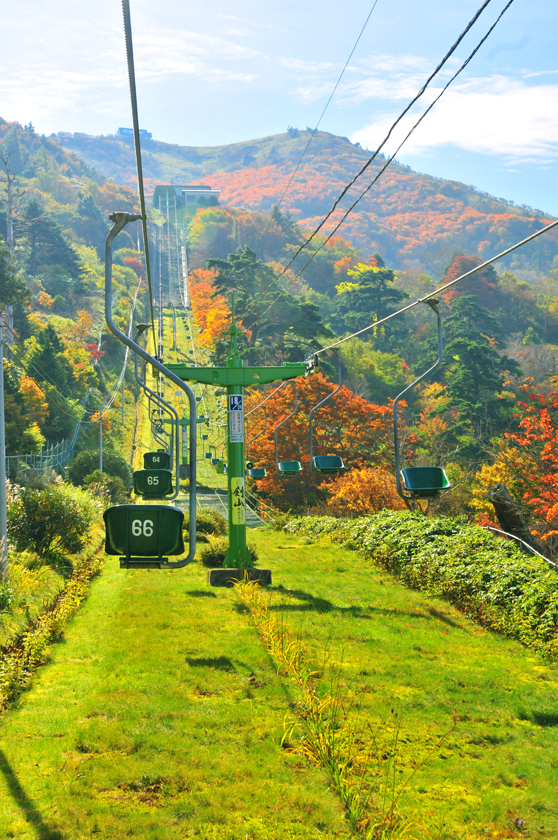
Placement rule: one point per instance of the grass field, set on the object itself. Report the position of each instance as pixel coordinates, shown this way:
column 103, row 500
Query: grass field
column 161, row 715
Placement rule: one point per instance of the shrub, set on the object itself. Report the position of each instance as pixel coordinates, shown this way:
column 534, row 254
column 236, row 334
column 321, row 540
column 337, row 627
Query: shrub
column 88, row 462
column 213, row 554
column 109, row 487
column 55, row 520
column 208, row 522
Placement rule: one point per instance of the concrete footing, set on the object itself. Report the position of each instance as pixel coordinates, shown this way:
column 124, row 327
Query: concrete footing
column 228, row 577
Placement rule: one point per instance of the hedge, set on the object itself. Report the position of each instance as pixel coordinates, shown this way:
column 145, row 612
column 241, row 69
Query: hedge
column 19, row 659
column 488, row 578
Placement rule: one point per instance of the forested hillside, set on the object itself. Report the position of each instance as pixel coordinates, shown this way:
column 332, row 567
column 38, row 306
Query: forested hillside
column 52, row 231
column 413, row 219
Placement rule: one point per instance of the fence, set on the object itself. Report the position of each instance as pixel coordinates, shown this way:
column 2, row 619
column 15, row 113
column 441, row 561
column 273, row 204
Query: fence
column 52, row 457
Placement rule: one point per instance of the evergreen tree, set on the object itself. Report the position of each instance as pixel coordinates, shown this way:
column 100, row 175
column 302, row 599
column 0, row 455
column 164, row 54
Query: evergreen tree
column 370, row 297
column 91, row 224
column 277, row 323
column 473, row 367
column 46, row 245
column 12, row 286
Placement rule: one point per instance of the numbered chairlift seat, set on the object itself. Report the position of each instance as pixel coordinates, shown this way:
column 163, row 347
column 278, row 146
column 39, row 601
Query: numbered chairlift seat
column 153, row 484
column 142, row 534
column 287, row 467
column 159, row 460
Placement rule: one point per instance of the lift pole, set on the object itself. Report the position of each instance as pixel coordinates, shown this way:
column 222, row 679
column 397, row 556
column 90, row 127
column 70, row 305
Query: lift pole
column 3, row 515
column 235, row 377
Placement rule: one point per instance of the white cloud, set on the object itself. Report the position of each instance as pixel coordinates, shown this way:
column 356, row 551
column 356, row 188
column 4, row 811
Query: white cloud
column 496, row 116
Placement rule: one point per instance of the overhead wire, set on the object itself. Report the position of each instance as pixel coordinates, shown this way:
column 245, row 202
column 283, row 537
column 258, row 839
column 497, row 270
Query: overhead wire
column 440, row 289
column 332, row 94
column 392, row 157
column 137, row 145
column 370, row 160
column 379, row 174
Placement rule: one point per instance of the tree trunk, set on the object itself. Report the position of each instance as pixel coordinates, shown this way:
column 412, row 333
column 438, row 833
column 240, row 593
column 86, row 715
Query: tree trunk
column 509, row 515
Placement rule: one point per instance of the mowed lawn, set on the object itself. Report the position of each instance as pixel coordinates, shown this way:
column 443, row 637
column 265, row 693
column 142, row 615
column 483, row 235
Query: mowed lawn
column 398, row 659
column 160, row 716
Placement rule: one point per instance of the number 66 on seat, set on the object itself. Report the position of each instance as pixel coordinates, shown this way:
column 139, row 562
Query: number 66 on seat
column 142, row 534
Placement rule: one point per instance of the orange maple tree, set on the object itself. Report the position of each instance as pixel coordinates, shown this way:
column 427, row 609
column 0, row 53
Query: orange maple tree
column 211, row 312
column 535, row 460
column 347, row 425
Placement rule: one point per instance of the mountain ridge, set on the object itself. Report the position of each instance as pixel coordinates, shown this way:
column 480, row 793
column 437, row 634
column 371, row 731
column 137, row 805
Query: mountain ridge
column 412, row 218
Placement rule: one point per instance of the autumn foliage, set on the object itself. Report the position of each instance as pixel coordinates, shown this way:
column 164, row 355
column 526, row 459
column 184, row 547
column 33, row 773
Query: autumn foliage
column 348, row 425
column 211, row 312
column 534, row 456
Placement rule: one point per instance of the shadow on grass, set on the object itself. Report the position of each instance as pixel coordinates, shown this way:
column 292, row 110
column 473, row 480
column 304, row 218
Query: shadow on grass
column 322, row 605
column 221, row 663
column 201, row 593
column 544, row 719
column 443, row 617
column 32, row 815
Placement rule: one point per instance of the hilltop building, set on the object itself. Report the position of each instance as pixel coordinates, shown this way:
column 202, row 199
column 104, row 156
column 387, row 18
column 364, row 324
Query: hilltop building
column 185, row 196
column 128, row 133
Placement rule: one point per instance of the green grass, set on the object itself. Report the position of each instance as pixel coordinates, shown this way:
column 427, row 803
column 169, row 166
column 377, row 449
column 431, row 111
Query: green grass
column 396, row 649
column 158, row 716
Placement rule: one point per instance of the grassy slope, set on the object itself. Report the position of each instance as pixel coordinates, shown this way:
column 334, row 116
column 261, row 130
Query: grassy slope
column 159, row 715
column 162, row 681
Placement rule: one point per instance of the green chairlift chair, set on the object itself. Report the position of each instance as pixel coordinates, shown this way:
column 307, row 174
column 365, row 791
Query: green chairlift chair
column 142, row 534
column 287, row 468
column 153, row 484
column 326, row 464
column 159, row 460
column 419, row 482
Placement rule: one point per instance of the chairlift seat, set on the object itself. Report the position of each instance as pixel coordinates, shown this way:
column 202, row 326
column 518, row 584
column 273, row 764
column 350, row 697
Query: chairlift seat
column 425, row 482
column 257, row 472
column 289, row 467
column 204, row 437
column 207, row 455
column 328, row 464
column 153, row 484
column 159, row 460
column 215, row 461
column 142, row 534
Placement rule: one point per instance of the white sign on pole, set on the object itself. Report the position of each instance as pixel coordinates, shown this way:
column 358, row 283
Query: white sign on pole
column 236, row 418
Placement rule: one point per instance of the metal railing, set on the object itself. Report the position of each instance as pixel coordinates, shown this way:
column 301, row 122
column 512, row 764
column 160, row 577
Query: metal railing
column 53, row 457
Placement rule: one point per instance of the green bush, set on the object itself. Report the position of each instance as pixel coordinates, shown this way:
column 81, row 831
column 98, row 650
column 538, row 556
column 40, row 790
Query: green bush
column 208, row 522
column 52, row 521
column 213, row 554
column 110, row 487
column 487, row 577
column 88, row 462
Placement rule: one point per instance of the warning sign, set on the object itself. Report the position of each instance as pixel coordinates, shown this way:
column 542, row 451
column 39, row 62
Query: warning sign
column 236, row 418
column 238, row 504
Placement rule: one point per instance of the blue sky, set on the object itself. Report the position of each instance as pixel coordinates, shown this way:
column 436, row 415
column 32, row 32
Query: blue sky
column 217, row 72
